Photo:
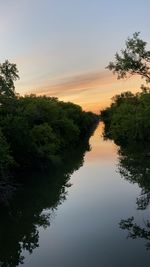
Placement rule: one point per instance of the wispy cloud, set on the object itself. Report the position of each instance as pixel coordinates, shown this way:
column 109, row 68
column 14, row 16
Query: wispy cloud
column 76, row 84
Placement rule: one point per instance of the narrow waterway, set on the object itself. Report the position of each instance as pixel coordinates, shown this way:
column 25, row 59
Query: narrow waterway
column 82, row 226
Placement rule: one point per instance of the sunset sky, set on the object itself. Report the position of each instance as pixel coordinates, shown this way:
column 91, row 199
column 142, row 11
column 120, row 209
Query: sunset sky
column 61, row 47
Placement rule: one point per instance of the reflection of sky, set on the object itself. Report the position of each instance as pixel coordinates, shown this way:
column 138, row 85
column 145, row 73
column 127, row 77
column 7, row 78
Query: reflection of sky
column 62, row 47
column 101, row 151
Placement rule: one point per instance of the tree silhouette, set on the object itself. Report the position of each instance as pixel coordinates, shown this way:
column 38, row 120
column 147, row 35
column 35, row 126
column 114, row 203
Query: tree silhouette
column 8, row 74
column 134, row 59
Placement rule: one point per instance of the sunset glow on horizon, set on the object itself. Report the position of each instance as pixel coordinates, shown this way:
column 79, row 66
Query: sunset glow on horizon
column 93, row 92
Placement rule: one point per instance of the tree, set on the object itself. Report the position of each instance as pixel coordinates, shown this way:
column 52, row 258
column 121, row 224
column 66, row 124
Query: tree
column 134, row 59
column 8, row 74
column 45, row 141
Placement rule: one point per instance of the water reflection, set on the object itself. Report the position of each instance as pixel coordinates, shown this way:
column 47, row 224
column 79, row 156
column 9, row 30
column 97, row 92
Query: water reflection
column 34, row 205
column 137, row 231
column 134, row 166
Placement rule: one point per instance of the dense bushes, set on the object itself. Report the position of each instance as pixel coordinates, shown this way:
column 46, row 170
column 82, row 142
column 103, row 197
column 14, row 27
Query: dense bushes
column 127, row 119
column 36, row 131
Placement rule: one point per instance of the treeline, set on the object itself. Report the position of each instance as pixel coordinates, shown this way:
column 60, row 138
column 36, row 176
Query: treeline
column 128, row 118
column 36, row 132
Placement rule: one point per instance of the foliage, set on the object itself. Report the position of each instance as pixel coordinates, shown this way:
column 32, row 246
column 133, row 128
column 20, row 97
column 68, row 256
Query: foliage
column 41, row 128
column 37, row 130
column 127, row 118
column 8, row 74
column 134, row 59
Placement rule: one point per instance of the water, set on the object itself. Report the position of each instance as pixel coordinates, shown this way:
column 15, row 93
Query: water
column 54, row 225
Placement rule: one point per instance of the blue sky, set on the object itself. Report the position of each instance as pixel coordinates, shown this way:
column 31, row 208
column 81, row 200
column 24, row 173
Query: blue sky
column 62, row 44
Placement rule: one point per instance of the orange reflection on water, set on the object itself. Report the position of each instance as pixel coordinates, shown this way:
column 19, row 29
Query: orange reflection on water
column 101, row 150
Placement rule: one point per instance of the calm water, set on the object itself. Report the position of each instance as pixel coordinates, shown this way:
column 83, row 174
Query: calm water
column 75, row 223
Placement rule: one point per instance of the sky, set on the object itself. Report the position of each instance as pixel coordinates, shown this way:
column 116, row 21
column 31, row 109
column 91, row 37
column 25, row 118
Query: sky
column 62, row 47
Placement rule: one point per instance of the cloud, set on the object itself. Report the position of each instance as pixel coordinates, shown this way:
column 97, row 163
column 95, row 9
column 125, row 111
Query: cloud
column 76, row 84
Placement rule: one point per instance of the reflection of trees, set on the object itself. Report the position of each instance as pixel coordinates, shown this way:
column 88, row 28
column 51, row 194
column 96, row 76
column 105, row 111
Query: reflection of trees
column 32, row 206
column 135, row 231
column 134, row 166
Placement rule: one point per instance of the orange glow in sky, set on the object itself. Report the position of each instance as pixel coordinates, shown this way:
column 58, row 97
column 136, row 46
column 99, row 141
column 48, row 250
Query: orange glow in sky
column 92, row 91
